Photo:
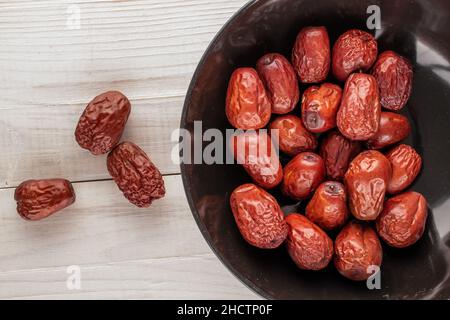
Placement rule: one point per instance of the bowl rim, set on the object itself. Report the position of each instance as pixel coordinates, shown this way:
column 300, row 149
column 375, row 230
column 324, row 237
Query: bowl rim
column 244, row 280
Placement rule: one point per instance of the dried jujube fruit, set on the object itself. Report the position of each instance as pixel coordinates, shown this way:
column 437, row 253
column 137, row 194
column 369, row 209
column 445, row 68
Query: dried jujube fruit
column 393, row 128
column 247, row 105
column 38, row 199
column 302, row 175
column 328, row 207
column 394, row 75
column 349, row 121
column 102, row 123
column 291, row 136
column 402, row 222
column 255, row 151
column 366, row 181
column 355, row 50
column 337, row 151
column 320, row 105
column 406, row 164
column 357, row 251
column 311, row 54
column 308, row 245
column 358, row 117
column 280, row 81
column 135, row 175
column 258, row 217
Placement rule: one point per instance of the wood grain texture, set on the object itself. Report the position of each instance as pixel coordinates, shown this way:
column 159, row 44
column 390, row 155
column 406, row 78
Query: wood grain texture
column 115, row 244
column 40, row 142
column 49, row 70
column 194, row 277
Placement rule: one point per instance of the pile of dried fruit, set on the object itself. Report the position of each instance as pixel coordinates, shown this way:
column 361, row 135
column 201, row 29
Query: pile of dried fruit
column 99, row 130
column 347, row 176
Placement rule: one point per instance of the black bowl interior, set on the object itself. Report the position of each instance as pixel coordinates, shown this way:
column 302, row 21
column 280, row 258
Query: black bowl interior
column 417, row 29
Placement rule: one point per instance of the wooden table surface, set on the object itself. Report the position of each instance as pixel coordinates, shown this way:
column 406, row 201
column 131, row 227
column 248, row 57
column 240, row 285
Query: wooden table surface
column 55, row 56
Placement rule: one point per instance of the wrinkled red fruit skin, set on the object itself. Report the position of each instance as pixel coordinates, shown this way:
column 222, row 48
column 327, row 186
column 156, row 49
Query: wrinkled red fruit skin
column 257, row 154
column 292, row 136
column 308, row 245
column 280, row 81
column 366, row 181
column 38, row 199
column 311, row 54
column 247, row 106
column 359, row 115
column 402, row 222
column 337, row 151
column 357, row 248
column 393, row 128
column 302, row 175
column 135, row 175
column 258, row 217
column 328, row 206
column 394, row 75
column 406, row 165
column 354, row 50
column 320, row 106
column 102, row 123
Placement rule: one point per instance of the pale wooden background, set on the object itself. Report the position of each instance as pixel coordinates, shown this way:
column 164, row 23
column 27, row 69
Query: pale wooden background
column 148, row 49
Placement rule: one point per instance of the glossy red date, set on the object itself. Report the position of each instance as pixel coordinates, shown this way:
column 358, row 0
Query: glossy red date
column 328, row 207
column 311, row 54
column 258, row 217
column 359, row 115
column 366, row 180
column 302, row 175
column 406, row 165
column 337, row 151
column 292, row 136
column 308, row 245
column 355, row 50
column 247, row 105
column 393, row 128
column 357, row 251
column 402, row 222
column 320, row 106
column 394, row 75
column 256, row 153
column 280, row 81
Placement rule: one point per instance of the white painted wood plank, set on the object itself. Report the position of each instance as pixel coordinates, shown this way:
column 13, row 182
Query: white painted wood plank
column 149, row 47
column 101, row 227
column 195, row 277
column 123, row 251
column 146, row 49
column 40, row 143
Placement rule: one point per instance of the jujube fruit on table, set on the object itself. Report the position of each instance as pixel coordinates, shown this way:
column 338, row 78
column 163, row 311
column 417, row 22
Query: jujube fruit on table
column 38, row 199
column 102, row 123
column 135, row 174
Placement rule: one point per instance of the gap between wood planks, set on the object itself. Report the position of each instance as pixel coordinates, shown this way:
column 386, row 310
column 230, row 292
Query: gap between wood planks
column 95, row 180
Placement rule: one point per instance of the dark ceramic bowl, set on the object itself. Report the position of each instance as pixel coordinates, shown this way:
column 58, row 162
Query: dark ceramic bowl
column 417, row 29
